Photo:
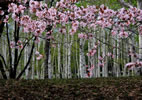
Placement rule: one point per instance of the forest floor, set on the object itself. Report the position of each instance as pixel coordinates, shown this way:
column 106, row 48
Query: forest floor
column 128, row 88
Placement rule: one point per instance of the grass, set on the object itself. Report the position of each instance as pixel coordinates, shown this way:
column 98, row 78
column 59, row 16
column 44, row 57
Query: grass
column 127, row 88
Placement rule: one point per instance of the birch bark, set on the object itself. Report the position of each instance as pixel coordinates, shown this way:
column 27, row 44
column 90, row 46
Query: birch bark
column 139, row 5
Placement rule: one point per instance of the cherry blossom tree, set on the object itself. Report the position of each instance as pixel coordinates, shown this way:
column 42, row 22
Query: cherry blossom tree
column 39, row 21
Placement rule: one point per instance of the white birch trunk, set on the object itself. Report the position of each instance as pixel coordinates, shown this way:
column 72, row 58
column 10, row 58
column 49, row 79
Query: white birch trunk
column 25, row 61
column 89, row 57
column 65, row 53
column 77, row 60
column 139, row 5
column 33, row 65
column 69, row 56
column 50, row 68
column 118, row 54
column 59, row 59
column 115, row 58
column 82, row 59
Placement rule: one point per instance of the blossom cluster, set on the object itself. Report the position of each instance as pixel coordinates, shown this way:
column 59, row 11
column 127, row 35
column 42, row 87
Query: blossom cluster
column 17, row 45
column 1, row 12
column 85, row 36
column 93, row 50
column 102, row 59
column 118, row 21
column 89, row 70
column 16, row 10
column 65, row 12
column 38, row 55
column 131, row 65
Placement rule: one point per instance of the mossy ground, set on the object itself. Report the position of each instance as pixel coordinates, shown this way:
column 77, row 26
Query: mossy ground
column 128, row 88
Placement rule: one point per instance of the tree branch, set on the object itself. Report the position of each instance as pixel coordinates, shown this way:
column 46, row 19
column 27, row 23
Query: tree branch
column 29, row 59
column 122, row 2
column 20, row 55
column 2, row 67
column 10, row 54
column 3, row 60
column 2, row 70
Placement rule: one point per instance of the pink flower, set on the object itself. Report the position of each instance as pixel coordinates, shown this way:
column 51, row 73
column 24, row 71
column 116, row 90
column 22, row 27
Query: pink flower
column 95, row 46
column 91, row 52
column 53, row 45
column 109, row 54
column 1, row 12
column 19, row 45
column 113, row 32
column 37, row 40
column 75, row 24
column 21, row 8
column 101, row 64
column 15, row 17
column 72, row 31
column 12, row 44
column 92, row 67
column 140, row 29
column 123, row 34
column 25, row 19
column 37, row 32
column 83, row 24
column 37, row 53
column 25, row 1
column 6, row 19
column 112, row 56
column 101, row 58
column 90, row 35
column 81, row 35
column 130, row 64
column 39, row 57
column 62, row 30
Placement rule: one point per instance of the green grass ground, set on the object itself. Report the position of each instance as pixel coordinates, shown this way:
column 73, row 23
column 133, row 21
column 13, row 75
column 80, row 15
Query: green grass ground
column 129, row 88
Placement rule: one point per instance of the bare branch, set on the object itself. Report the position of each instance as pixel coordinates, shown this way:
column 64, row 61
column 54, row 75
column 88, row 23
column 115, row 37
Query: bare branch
column 10, row 53
column 20, row 54
column 29, row 60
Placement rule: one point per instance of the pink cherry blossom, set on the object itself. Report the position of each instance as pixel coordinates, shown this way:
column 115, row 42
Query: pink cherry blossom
column 39, row 57
column 123, row 34
column 81, row 35
column 37, row 53
column 1, row 12
column 92, row 67
column 37, row 40
column 101, row 64
column 91, row 52
column 12, row 44
column 109, row 54
column 101, row 58
column 19, row 44
column 140, row 29
column 6, row 19
column 62, row 30
column 130, row 64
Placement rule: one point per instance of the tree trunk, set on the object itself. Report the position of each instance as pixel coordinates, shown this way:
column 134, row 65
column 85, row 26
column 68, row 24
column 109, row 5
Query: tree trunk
column 69, row 55
column 139, row 5
column 47, row 51
column 59, row 60
column 82, row 62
